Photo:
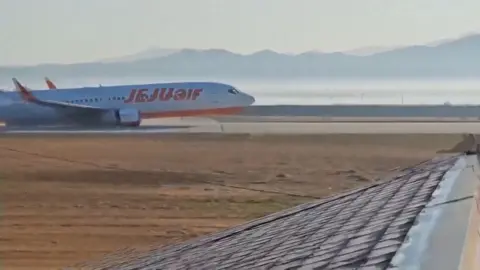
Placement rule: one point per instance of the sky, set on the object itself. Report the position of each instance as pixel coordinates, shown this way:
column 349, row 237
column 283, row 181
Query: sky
column 69, row 31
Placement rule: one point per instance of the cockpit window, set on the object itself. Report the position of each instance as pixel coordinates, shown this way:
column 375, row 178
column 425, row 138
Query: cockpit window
column 233, row 91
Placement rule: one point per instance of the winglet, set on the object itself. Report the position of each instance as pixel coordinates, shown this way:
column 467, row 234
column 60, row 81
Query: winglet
column 50, row 84
column 25, row 94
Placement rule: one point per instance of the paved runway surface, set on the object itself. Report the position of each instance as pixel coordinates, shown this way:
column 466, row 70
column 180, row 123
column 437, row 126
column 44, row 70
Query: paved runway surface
column 202, row 125
column 356, row 128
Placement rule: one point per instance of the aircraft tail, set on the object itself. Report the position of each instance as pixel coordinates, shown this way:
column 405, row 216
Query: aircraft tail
column 24, row 92
column 50, row 84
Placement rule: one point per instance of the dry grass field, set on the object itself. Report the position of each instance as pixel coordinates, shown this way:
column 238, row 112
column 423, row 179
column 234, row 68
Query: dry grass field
column 67, row 199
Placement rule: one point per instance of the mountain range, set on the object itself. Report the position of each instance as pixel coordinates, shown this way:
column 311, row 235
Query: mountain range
column 446, row 58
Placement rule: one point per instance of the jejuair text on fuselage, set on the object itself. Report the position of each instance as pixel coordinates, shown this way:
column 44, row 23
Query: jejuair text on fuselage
column 162, row 94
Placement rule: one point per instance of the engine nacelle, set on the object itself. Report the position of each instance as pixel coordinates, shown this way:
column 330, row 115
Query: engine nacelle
column 123, row 117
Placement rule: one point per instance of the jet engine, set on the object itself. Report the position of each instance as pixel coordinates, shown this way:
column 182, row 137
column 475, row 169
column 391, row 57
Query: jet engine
column 123, row 117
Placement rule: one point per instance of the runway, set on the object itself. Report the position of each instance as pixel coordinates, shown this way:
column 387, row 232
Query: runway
column 202, row 125
column 348, row 128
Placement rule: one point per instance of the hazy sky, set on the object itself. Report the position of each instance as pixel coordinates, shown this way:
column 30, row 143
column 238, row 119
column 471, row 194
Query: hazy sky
column 65, row 31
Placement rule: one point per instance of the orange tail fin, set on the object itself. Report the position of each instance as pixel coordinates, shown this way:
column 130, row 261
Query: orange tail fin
column 50, row 84
column 25, row 94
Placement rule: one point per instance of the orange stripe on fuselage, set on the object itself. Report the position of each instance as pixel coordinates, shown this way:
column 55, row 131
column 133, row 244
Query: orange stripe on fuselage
column 185, row 113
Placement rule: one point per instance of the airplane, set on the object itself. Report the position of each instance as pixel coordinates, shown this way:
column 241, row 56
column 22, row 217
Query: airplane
column 120, row 105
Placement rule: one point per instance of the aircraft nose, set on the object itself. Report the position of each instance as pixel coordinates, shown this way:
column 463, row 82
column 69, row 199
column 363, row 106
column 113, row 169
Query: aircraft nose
column 250, row 99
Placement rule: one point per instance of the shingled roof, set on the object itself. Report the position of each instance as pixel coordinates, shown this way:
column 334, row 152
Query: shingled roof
column 361, row 229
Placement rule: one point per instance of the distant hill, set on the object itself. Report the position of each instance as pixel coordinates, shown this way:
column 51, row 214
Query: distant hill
column 370, row 50
column 146, row 54
column 449, row 58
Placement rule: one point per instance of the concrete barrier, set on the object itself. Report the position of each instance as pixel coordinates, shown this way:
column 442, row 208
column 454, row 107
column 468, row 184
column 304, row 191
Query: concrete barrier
column 471, row 250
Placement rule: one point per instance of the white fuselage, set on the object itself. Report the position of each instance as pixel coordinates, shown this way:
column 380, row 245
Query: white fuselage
column 151, row 100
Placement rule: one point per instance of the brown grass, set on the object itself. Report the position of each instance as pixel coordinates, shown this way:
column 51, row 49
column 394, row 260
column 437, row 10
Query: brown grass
column 73, row 198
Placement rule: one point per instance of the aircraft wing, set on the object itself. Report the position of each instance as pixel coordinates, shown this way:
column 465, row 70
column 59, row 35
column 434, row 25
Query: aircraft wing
column 62, row 106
